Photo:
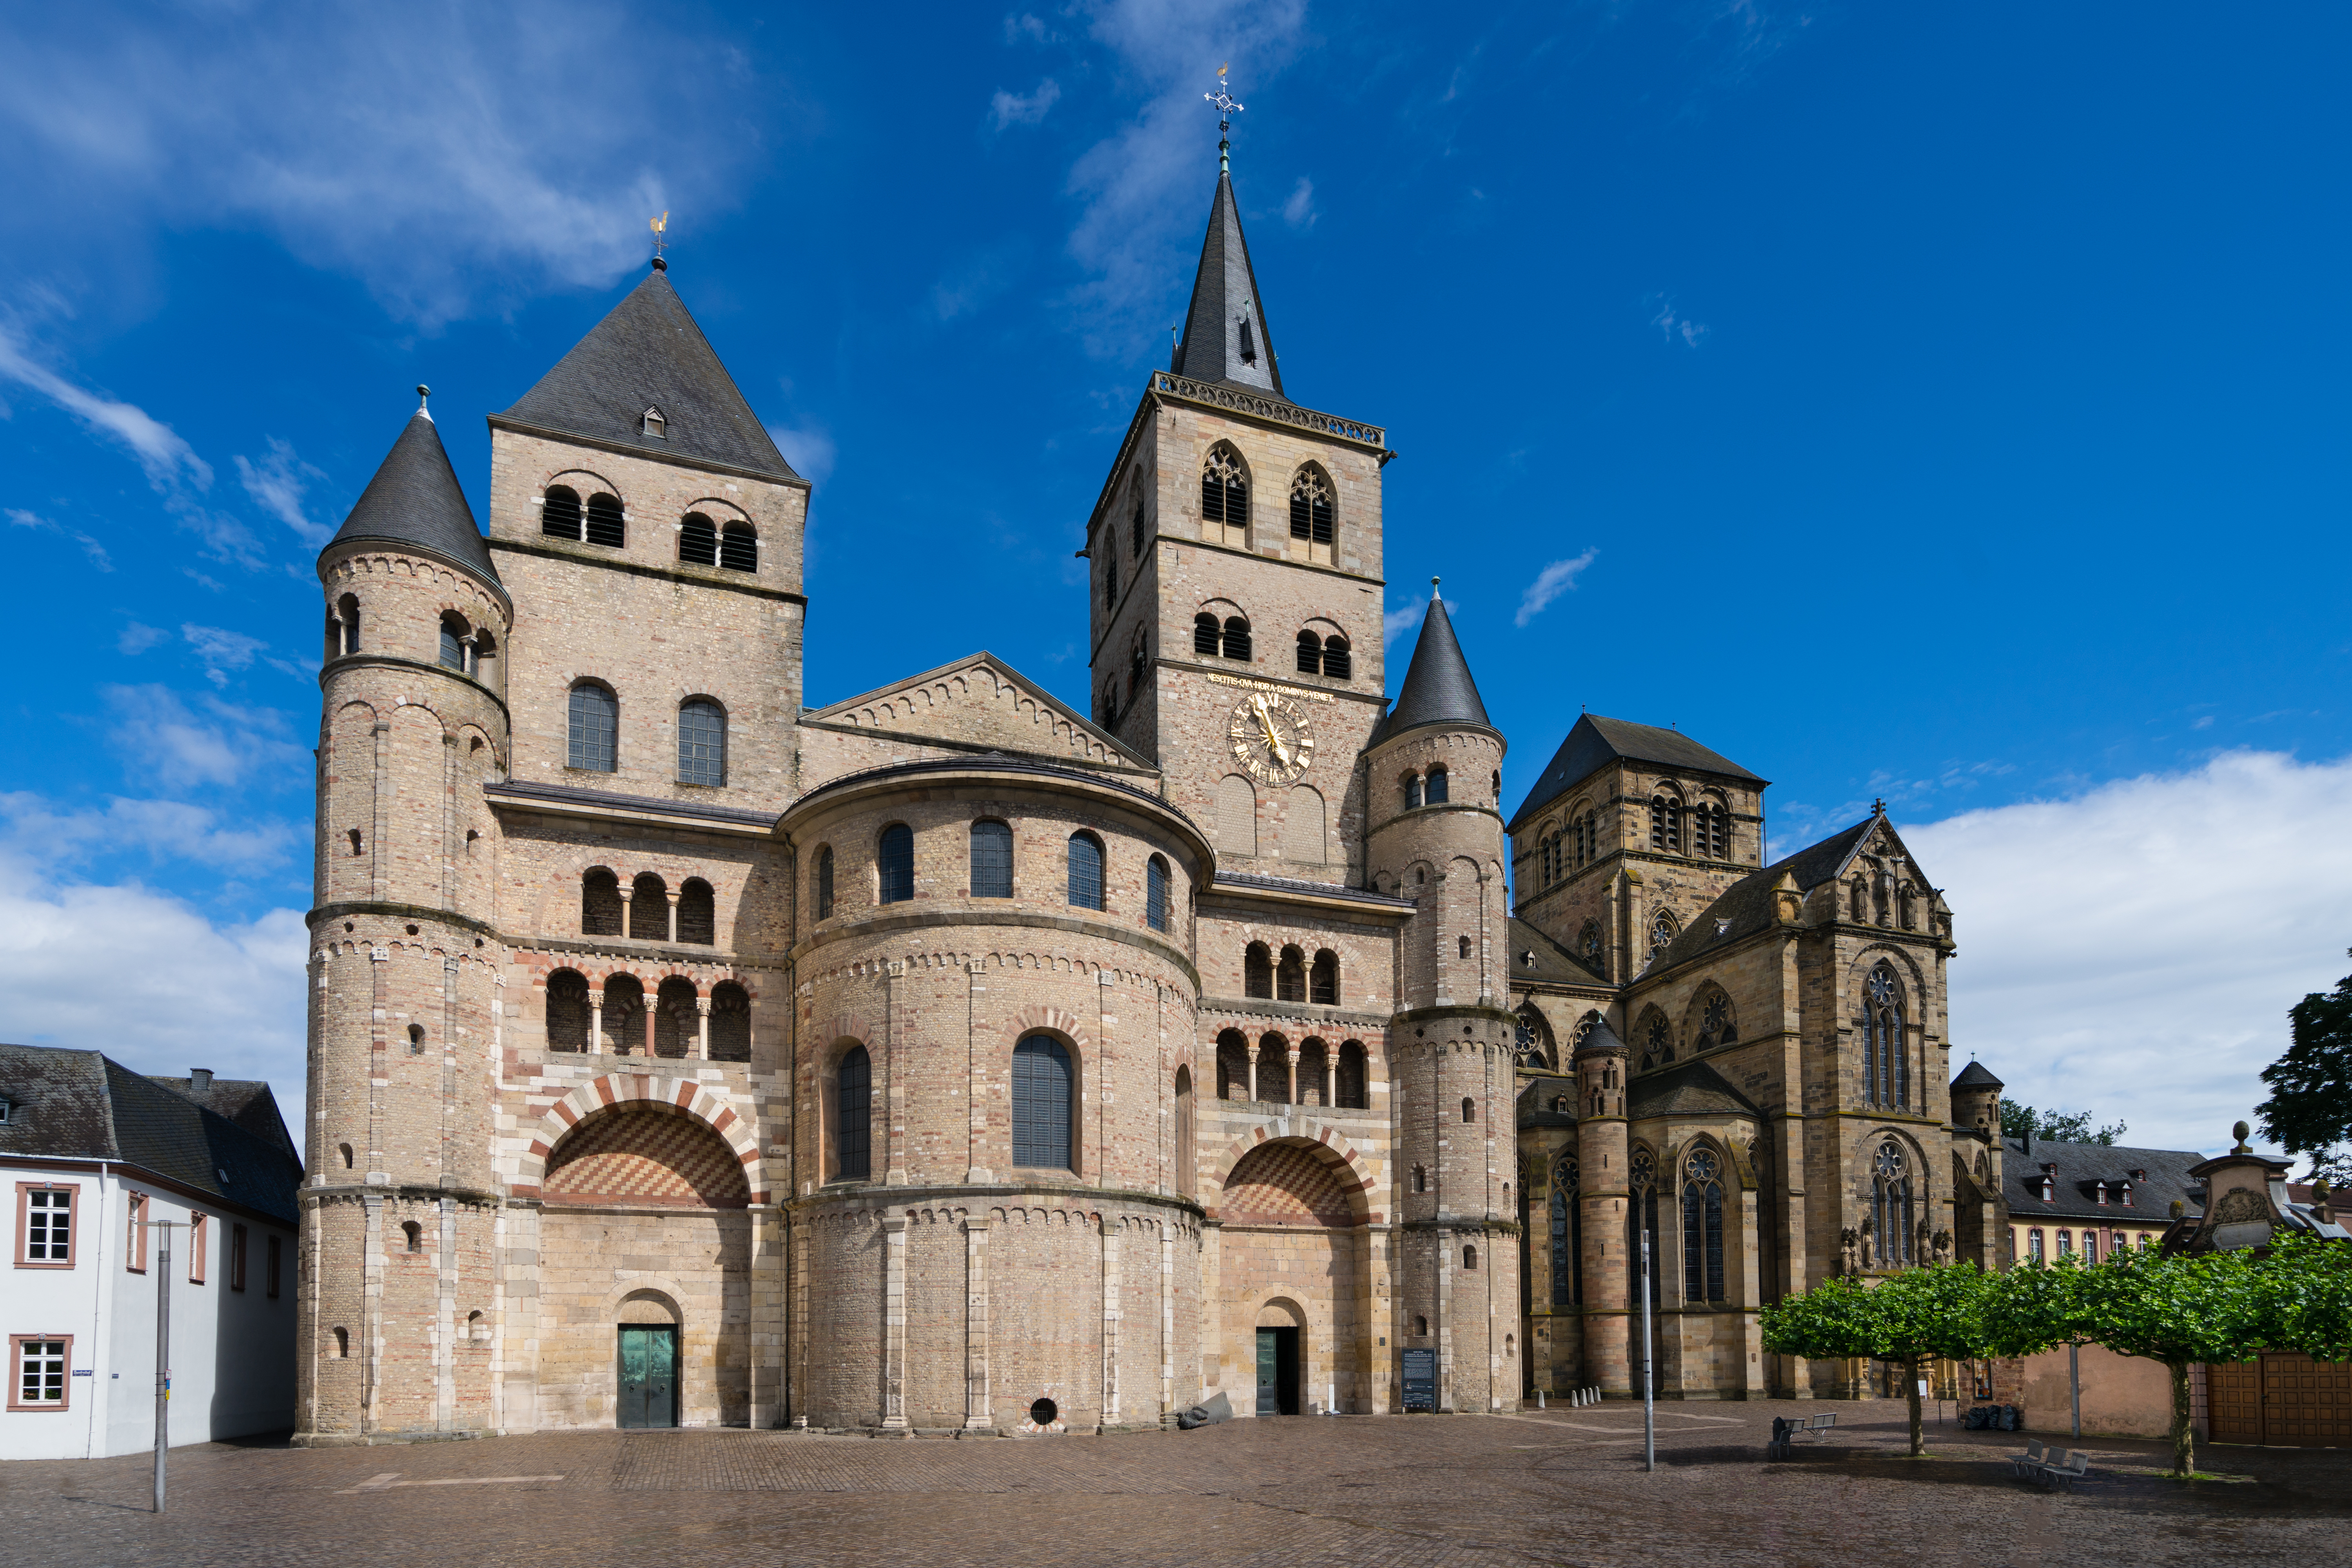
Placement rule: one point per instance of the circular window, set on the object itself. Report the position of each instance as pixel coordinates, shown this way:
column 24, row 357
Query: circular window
column 1043, row 1412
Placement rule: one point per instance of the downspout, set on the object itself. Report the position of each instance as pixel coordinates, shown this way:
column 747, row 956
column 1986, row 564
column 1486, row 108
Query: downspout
column 98, row 1293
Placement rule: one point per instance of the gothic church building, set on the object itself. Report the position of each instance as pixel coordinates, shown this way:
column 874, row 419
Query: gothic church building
column 946, row 1058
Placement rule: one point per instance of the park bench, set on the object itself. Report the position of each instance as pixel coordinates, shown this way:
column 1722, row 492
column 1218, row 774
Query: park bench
column 2031, row 1459
column 1785, row 1432
column 2044, row 1464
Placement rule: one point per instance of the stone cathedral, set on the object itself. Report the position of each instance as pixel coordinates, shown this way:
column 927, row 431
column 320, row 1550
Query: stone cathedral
column 947, row 1058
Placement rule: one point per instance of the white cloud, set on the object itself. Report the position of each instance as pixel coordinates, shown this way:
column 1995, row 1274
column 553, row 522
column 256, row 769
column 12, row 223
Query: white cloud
column 151, row 982
column 1029, row 29
column 222, row 651
column 1675, row 326
column 1550, row 583
column 224, row 744
column 1299, row 212
column 18, row 517
column 167, row 459
column 1010, row 108
column 137, row 639
column 277, row 482
column 809, row 450
column 434, row 150
column 2133, row 950
column 162, row 830
column 1407, row 617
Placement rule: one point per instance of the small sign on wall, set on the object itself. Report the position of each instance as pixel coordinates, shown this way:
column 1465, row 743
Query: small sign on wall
column 1420, row 1380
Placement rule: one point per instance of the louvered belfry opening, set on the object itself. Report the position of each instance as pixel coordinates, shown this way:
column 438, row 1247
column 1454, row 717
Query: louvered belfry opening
column 1310, row 508
column 739, row 548
column 1224, row 488
column 698, row 541
column 1310, row 654
column 1237, row 638
column 558, row 518
column 1337, row 660
column 1041, row 1103
column 605, row 524
column 1204, row 633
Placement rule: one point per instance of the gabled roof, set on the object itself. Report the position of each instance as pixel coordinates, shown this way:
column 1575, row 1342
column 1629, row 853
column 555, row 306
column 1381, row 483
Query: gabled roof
column 1594, row 743
column 79, row 1105
column 416, row 499
column 246, row 1101
column 648, row 353
column 1749, row 905
column 981, row 704
column 1535, row 957
column 1437, row 688
column 1694, row 1089
column 1225, row 337
column 2081, row 1166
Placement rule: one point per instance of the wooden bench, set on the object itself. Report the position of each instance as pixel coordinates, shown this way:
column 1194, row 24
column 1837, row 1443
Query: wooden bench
column 1785, row 1432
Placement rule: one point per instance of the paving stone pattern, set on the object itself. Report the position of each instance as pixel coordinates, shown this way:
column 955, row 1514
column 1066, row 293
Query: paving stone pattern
column 1559, row 1486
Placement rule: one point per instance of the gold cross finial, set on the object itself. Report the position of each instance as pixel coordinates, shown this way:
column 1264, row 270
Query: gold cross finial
column 1226, row 109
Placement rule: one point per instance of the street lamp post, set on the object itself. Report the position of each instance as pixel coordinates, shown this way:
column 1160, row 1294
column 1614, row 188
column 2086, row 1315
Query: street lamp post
column 162, row 1355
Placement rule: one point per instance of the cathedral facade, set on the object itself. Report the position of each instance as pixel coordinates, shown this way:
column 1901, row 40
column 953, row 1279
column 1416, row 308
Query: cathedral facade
column 947, row 1058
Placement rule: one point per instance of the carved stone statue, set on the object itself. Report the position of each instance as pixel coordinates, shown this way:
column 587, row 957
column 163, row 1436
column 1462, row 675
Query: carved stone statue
column 1849, row 1240
column 1869, row 1244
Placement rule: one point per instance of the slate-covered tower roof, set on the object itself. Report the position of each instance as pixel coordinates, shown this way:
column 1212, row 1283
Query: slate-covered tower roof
column 1595, row 742
column 649, row 357
column 414, row 501
column 1438, row 688
column 1225, row 338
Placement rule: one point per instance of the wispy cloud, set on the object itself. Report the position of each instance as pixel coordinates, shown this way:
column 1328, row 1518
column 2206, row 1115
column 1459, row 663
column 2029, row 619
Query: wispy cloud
column 1299, row 212
column 277, row 482
column 157, row 831
column 808, row 449
column 1026, row 28
column 1407, row 617
column 137, row 639
column 1550, row 583
column 1673, row 325
column 215, row 742
column 18, row 517
column 973, row 283
column 168, row 459
column 222, row 651
column 1008, row 108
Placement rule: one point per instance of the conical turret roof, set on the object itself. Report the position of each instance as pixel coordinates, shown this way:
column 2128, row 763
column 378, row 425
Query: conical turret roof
column 415, row 499
column 1438, row 688
column 1225, row 337
column 650, row 355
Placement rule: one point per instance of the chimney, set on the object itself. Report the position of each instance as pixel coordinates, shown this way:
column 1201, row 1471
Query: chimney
column 200, row 1080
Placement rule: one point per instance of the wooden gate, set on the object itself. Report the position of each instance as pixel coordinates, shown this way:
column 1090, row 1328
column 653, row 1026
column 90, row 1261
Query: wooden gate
column 2284, row 1400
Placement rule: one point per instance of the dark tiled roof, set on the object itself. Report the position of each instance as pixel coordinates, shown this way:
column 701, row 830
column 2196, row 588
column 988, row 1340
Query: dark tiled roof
column 1535, row 1108
column 1244, row 880
column 1975, row 1076
column 650, row 353
column 1437, row 688
column 1694, row 1089
column 1601, row 1038
column 1594, row 743
column 245, row 1101
column 524, row 792
column 1747, row 906
column 1535, row 956
column 2080, row 1165
column 415, row 499
column 80, row 1105
column 1225, row 295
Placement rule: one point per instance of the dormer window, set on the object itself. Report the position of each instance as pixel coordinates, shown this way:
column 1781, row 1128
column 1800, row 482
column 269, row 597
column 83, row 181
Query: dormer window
column 2049, row 1183
column 653, row 427
column 1248, row 343
column 7, row 1111
column 2102, row 1192
column 2126, row 1189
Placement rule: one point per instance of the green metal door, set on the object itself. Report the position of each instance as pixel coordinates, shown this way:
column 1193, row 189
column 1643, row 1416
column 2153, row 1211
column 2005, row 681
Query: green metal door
column 1269, row 1372
column 648, row 1375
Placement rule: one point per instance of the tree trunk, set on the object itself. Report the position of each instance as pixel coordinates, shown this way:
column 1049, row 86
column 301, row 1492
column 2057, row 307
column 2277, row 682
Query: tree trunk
column 1911, row 1396
column 2184, row 1435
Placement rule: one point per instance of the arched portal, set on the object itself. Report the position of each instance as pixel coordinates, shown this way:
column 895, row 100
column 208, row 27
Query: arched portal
column 1293, row 1250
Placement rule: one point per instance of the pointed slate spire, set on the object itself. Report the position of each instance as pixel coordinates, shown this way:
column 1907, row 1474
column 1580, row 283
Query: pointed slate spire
column 1437, row 684
column 415, row 501
column 646, row 377
column 1225, row 338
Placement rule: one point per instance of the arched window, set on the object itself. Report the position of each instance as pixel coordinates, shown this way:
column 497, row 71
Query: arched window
column 624, row 1019
column 1890, row 1206
column 1412, row 791
column 1702, row 1226
column 1666, row 824
column 898, row 863
column 825, row 883
column 346, row 1149
column 1463, row 946
column 595, row 728
column 1349, row 1083
column 1434, row 792
column 1185, row 1134
column 1274, row 1070
column 1658, row 1042
column 992, row 860
column 1469, row 1108
column 1310, row 514
column 1641, row 1223
column 1885, row 1065
column 567, row 1011
column 342, row 1344
column 1155, row 893
column 1139, row 533
column 1587, row 943
column 1233, row 1065
column 1290, row 977
column 1338, row 663
column 739, row 548
column 1257, row 971
column 1136, row 662
column 1225, row 497
column 605, row 524
column 1715, row 1024
column 1310, row 654
column 413, row 1232
column 453, row 643
column 1567, row 1236
column 347, row 610
column 677, row 1022
column 1237, row 639
column 1469, row 1259
column 1715, row 826
column 1662, row 934
column 600, row 904
column 1204, row 633
column 1085, row 871
column 1421, row 1178
column 649, row 908
column 1110, row 576
column 697, row 914
column 701, row 743
column 1041, row 1104
column 1236, row 815
column 1323, row 985
column 559, row 515
column 852, row 1115
column 730, row 1023
column 698, row 541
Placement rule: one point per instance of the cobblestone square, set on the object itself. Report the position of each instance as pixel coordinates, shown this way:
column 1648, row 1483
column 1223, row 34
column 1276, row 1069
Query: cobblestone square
column 1552, row 1487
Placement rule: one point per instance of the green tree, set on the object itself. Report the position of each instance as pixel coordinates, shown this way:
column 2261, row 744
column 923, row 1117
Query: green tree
column 2033, row 1306
column 2310, row 1107
column 1916, row 1316
column 2304, row 1287
column 2178, row 1309
column 2018, row 1119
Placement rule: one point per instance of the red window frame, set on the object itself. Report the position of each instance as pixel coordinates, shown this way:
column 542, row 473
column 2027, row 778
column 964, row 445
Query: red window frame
column 24, row 1191
column 16, row 1343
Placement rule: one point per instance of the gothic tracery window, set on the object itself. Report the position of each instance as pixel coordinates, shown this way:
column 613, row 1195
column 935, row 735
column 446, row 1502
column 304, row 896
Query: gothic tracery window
column 1662, row 934
column 1886, row 1064
column 1310, row 512
column 1225, row 497
column 1589, row 943
column 1567, row 1236
column 1715, row 1027
column 1702, row 1226
column 1891, row 1209
column 1658, row 1047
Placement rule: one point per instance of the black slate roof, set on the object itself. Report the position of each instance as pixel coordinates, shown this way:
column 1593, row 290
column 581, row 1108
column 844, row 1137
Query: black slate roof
column 1534, row 1106
column 648, row 353
column 524, row 790
column 1594, row 743
column 1437, row 688
column 2080, row 1165
column 1746, row 907
column 1976, row 1075
column 1694, row 1089
column 1226, row 315
column 245, row 1101
column 1535, row 957
column 415, row 499
column 81, row 1105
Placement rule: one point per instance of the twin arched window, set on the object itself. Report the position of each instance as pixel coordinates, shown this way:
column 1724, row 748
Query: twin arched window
column 701, row 743
column 703, row 542
column 1324, row 656
column 600, row 522
column 1707, row 833
column 1041, row 1103
column 1886, row 1062
column 1703, row 1226
column 1429, row 789
column 1230, row 637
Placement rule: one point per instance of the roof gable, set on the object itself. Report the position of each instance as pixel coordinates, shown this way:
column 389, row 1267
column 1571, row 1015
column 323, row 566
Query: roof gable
column 649, row 353
column 1754, row 903
column 1593, row 743
column 1694, row 1089
column 982, row 704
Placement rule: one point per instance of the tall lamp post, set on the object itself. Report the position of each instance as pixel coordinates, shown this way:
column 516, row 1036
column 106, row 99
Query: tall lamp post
column 162, row 1354
column 1649, row 1396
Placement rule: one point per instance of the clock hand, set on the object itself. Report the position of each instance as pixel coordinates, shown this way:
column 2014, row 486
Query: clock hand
column 1273, row 741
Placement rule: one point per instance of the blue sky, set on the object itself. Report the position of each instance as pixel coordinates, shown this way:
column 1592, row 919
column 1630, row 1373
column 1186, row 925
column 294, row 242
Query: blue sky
column 1939, row 404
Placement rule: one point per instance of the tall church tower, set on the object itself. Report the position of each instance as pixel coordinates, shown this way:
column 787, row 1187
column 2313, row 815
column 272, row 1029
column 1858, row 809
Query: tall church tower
column 1236, row 592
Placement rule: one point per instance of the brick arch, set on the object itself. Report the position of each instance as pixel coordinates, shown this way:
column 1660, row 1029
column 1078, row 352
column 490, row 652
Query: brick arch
column 1052, row 1021
column 1328, row 1143
column 622, row 1089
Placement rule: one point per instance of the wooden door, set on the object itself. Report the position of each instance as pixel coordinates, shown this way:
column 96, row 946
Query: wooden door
column 2306, row 1404
column 648, row 1375
column 2234, row 1400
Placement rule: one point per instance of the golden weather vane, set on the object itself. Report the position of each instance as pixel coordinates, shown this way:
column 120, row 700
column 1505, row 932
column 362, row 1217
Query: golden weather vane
column 660, row 226
column 1226, row 109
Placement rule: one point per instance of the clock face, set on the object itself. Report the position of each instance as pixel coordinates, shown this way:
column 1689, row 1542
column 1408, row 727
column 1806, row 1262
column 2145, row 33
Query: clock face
column 1271, row 738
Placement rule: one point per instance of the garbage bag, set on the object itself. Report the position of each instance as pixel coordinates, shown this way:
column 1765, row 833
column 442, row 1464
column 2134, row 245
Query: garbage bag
column 1206, row 1414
